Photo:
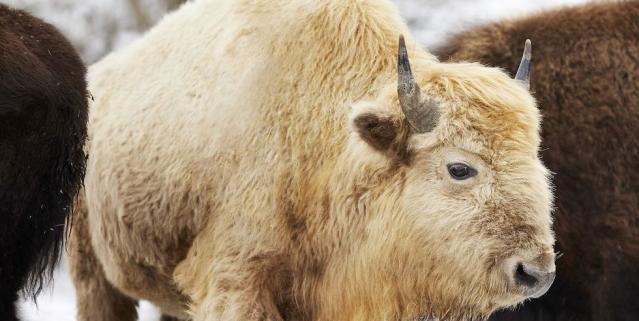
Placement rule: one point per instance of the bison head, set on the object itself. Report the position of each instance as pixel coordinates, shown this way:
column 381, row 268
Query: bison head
column 455, row 201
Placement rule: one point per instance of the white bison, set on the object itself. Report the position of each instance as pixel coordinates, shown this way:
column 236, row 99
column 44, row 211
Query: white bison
column 271, row 160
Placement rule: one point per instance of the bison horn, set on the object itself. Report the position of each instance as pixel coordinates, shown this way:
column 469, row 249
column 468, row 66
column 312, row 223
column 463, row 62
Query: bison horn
column 422, row 113
column 523, row 72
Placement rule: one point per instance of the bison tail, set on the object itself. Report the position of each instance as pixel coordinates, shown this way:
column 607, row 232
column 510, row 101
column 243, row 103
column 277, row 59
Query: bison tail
column 53, row 224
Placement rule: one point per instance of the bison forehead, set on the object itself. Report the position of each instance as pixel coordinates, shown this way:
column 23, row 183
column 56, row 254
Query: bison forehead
column 485, row 109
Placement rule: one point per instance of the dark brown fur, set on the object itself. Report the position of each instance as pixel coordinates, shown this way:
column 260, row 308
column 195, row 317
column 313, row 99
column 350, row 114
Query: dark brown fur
column 43, row 115
column 586, row 79
column 379, row 133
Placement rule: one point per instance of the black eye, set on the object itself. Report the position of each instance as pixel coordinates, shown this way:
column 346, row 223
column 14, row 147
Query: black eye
column 460, row 171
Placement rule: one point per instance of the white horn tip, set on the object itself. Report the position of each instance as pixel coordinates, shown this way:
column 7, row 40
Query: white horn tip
column 528, row 49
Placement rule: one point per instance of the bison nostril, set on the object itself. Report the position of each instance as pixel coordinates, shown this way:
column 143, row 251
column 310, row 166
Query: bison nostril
column 524, row 277
column 533, row 280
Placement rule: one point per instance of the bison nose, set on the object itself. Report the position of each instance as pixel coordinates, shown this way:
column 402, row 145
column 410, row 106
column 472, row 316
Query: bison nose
column 533, row 279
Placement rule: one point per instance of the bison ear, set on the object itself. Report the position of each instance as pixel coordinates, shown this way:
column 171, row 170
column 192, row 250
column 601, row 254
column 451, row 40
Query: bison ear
column 379, row 129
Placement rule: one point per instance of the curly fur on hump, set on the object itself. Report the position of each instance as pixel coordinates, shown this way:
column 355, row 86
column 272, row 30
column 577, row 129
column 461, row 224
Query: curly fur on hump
column 586, row 79
column 249, row 160
column 43, row 115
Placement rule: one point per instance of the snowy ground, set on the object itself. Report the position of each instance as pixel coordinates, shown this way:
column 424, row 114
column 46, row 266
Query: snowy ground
column 99, row 26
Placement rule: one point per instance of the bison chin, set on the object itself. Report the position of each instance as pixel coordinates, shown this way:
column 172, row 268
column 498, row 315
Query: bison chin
column 456, row 299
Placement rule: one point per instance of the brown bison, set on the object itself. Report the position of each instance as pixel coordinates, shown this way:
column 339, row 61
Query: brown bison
column 272, row 160
column 586, row 80
column 43, row 115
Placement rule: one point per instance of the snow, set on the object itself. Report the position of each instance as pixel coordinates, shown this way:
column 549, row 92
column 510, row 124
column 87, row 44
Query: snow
column 97, row 27
column 58, row 302
column 433, row 21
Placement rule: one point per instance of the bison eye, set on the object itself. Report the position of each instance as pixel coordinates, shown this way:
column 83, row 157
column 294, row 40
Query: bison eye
column 460, row 171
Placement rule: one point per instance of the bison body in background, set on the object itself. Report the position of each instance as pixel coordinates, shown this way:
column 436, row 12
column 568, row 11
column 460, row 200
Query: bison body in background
column 43, row 114
column 585, row 77
column 262, row 160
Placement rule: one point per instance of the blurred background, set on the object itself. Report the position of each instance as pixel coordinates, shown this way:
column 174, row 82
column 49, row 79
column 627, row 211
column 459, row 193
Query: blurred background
column 97, row 27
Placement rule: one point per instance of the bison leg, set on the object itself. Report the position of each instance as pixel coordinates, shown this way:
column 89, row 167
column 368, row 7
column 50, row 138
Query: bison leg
column 236, row 306
column 227, row 289
column 97, row 299
column 168, row 318
column 234, row 294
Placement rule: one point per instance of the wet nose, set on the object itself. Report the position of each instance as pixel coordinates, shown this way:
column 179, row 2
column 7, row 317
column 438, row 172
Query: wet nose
column 533, row 278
